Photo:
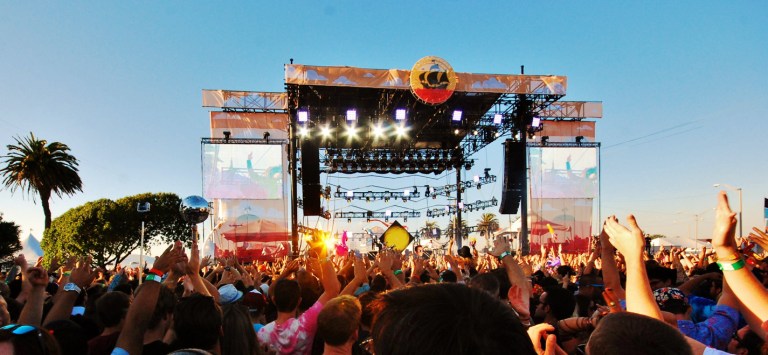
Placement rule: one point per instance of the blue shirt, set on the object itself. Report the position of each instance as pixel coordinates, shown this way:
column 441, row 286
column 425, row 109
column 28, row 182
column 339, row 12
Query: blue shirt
column 716, row 331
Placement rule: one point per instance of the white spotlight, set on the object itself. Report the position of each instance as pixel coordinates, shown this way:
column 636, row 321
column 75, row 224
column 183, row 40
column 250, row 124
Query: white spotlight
column 400, row 114
column 497, row 118
column 536, row 122
column 401, row 130
column 350, row 194
column 303, row 116
column 351, row 115
column 326, row 131
column 378, row 131
column 304, row 131
column 476, row 178
column 457, row 115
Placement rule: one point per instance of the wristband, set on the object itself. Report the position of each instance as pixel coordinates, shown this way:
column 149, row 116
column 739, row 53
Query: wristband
column 153, row 277
column 398, row 272
column 504, row 254
column 156, row 272
column 72, row 287
column 67, row 273
column 728, row 266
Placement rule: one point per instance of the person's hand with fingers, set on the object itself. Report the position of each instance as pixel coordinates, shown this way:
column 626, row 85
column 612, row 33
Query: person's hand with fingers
column 37, row 277
column 313, row 266
column 170, row 256
column 541, row 331
column 723, row 236
column 385, row 261
column 759, row 237
column 500, row 245
column 82, row 275
column 628, row 241
column 361, row 275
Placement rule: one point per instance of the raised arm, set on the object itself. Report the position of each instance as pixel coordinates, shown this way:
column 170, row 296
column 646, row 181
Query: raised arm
column 193, row 273
column 81, row 276
column 611, row 277
column 751, row 293
column 361, row 277
column 141, row 309
column 32, row 313
column 631, row 243
column 331, row 286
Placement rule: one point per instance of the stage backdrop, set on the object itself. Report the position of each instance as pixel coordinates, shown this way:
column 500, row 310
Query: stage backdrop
column 564, row 184
column 248, row 184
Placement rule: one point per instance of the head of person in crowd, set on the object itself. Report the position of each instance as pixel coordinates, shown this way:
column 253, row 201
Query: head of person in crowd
column 556, row 303
column 111, row 309
column 229, row 294
column 486, row 282
column 672, row 300
column 197, row 323
column 446, row 319
column 635, row 334
column 310, row 289
column 589, row 294
column 659, row 276
column 338, row 323
column 69, row 335
column 710, row 288
column 18, row 339
column 448, row 276
column 418, row 251
column 366, row 318
column 746, row 342
column 239, row 337
column 286, row 295
column 162, row 314
column 257, row 305
column 378, row 283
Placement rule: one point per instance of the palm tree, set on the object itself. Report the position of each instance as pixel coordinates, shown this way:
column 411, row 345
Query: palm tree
column 487, row 224
column 429, row 226
column 34, row 164
column 449, row 230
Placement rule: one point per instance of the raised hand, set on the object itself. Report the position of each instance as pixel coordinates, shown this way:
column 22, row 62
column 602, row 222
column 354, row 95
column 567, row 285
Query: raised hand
column 82, row 275
column 629, row 241
column 500, row 245
column 539, row 332
column 170, row 256
column 723, row 238
column 361, row 274
column 37, row 277
column 759, row 237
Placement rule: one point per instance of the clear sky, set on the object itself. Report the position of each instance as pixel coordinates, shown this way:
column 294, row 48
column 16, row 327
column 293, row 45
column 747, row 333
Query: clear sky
column 683, row 85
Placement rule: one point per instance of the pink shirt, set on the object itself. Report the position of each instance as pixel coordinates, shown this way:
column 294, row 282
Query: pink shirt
column 295, row 336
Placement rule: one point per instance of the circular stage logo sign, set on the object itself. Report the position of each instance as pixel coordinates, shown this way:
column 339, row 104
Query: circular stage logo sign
column 433, row 80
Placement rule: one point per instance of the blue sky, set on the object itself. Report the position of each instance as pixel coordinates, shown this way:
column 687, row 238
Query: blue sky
column 683, row 84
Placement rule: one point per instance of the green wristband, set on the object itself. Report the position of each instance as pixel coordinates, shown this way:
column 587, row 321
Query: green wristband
column 727, row 266
column 398, row 272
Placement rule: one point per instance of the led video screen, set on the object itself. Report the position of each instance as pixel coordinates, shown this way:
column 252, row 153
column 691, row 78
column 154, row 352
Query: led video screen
column 243, row 171
column 563, row 172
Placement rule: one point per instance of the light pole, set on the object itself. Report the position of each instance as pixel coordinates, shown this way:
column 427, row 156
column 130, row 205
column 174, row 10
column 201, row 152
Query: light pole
column 142, row 208
column 741, row 222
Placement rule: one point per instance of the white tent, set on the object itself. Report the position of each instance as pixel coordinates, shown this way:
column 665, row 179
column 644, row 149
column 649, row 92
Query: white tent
column 30, row 247
column 686, row 243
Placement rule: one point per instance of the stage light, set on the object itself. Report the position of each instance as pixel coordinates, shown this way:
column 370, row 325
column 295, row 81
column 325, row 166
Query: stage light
column 303, row 131
column 487, row 173
column 544, row 140
column 378, row 131
column 303, row 116
column 461, row 206
column 536, row 122
column 349, row 220
column 497, row 118
column 401, row 131
column 351, row 131
column 266, row 136
column 406, row 192
column 400, row 114
column 351, row 115
column 326, row 131
column 476, row 178
column 457, row 115
column 456, row 132
column 329, row 243
column 579, row 139
column 388, row 213
column 227, row 134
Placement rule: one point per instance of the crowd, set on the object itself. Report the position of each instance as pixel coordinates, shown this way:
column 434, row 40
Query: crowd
column 616, row 299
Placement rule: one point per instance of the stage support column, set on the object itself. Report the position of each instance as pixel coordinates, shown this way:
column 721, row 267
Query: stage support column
column 525, row 247
column 292, row 162
column 457, row 229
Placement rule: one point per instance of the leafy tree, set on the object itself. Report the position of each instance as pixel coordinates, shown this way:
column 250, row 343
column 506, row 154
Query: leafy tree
column 109, row 231
column 9, row 240
column 487, row 224
column 33, row 164
column 429, row 226
column 449, row 230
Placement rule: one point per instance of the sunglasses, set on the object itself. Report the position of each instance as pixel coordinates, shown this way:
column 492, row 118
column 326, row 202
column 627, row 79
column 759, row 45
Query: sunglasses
column 21, row 330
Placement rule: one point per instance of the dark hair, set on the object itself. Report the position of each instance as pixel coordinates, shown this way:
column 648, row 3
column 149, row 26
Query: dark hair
column 448, row 276
column 34, row 342
column 310, row 289
column 378, row 283
column 635, row 334
column 468, row 321
column 166, row 302
column 197, row 322
column 112, row 307
column 239, row 336
column 365, row 299
column 71, row 336
column 560, row 301
column 285, row 294
column 752, row 342
column 339, row 320
column 486, row 282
